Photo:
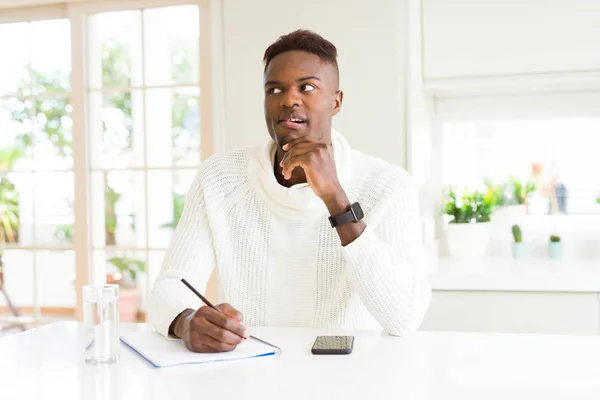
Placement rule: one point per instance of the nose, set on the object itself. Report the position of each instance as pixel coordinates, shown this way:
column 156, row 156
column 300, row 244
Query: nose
column 290, row 99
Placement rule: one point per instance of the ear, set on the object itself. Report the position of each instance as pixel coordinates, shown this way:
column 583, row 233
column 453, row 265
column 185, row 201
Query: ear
column 337, row 102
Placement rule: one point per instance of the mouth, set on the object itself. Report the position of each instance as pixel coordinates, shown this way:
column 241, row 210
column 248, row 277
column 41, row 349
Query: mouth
column 292, row 121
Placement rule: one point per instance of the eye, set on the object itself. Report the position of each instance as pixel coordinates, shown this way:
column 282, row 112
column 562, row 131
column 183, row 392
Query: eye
column 307, row 87
column 274, row 91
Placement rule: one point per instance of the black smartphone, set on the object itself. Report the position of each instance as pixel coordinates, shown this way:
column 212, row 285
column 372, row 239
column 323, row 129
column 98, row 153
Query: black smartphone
column 333, row 345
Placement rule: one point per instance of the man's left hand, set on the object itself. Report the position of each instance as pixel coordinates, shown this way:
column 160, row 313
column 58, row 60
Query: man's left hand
column 317, row 161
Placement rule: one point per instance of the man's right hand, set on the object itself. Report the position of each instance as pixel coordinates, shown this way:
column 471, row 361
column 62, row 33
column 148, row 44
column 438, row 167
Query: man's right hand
column 208, row 331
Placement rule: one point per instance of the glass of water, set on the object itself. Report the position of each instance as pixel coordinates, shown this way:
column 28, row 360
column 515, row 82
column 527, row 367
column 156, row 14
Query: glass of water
column 101, row 321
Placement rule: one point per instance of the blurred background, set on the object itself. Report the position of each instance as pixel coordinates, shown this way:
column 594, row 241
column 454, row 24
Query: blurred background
column 107, row 108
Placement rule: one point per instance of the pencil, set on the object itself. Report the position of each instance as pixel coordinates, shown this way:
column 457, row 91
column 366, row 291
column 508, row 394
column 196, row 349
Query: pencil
column 208, row 303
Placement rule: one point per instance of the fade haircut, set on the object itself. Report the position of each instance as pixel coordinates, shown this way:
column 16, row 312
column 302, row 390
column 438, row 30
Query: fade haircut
column 303, row 40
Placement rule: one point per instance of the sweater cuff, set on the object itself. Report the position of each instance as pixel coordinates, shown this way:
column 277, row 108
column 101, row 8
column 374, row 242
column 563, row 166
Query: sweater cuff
column 361, row 247
column 165, row 307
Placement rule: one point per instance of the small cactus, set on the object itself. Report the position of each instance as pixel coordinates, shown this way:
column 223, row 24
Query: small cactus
column 516, row 231
column 554, row 238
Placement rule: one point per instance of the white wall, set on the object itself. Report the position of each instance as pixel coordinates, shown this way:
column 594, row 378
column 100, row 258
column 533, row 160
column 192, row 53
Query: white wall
column 466, row 38
column 371, row 44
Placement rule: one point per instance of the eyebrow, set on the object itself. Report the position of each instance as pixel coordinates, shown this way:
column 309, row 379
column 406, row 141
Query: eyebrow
column 304, row 78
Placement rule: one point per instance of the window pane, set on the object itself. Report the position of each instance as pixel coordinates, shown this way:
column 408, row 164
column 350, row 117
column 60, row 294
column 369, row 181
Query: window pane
column 15, row 141
column 56, row 278
column 18, row 277
column 126, row 268
column 116, row 130
column 51, row 55
column 54, row 218
column 14, row 76
column 16, row 208
column 171, row 45
column 115, row 49
column 173, row 127
column 118, row 209
column 557, row 156
column 166, row 190
column 53, row 145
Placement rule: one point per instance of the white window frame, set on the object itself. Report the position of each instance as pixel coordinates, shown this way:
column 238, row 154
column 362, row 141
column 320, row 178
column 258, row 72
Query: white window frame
column 525, row 104
column 212, row 102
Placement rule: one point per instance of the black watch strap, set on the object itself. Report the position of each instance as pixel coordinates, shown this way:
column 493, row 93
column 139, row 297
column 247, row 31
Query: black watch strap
column 354, row 214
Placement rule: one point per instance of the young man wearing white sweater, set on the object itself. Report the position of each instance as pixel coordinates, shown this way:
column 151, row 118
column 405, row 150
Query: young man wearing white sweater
column 303, row 231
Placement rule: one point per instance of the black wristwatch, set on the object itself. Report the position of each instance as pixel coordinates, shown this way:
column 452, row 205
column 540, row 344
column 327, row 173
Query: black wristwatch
column 354, row 214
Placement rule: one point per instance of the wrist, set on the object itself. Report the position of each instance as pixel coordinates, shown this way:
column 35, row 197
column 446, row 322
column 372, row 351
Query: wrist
column 337, row 202
column 178, row 324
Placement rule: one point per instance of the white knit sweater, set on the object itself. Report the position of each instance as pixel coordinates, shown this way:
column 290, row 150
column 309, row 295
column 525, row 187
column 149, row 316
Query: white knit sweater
column 280, row 262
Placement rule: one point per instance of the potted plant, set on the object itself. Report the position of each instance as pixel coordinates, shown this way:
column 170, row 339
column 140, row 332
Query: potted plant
column 9, row 212
column 125, row 275
column 468, row 232
column 519, row 249
column 555, row 248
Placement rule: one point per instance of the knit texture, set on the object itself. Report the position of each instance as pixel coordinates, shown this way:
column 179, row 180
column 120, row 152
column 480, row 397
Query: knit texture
column 279, row 261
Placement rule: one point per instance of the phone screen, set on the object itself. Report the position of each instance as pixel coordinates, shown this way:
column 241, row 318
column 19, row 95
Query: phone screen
column 333, row 343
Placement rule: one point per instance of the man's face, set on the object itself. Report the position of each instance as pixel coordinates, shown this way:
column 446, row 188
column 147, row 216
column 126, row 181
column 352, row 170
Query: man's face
column 301, row 96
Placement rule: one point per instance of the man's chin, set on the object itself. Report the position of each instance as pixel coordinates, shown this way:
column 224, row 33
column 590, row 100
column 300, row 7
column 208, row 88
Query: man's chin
column 283, row 138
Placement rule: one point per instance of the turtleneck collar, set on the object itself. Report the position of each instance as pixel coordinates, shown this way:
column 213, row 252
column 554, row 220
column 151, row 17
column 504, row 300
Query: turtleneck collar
column 299, row 197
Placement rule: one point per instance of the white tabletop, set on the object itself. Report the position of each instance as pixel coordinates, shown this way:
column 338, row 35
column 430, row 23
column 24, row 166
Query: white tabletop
column 47, row 363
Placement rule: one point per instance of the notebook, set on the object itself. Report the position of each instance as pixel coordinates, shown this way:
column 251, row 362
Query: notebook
column 161, row 352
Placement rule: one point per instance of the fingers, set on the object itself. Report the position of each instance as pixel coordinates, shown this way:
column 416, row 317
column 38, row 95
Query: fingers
column 230, row 312
column 223, row 321
column 301, row 155
column 215, row 331
column 205, row 327
column 205, row 344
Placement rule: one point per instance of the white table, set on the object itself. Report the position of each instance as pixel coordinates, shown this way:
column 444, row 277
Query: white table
column 47, row 363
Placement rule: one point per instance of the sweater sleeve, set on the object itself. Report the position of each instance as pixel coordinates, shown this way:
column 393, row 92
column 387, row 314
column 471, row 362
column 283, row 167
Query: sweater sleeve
column 191, row 256
column 386, row 263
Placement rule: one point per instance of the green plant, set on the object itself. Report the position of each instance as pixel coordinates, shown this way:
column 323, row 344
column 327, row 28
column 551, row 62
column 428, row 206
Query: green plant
column 554, row 238
column 521, row 191
column 178, row 202
column 64, row 232
column 497, row 192
column 598, row 200
column 110, row 214
column 517, row 234
column 9, row 212
column 126, row 265
column 470, row 207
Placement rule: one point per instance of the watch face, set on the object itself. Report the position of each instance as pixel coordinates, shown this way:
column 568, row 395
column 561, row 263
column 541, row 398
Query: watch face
column 357, row 211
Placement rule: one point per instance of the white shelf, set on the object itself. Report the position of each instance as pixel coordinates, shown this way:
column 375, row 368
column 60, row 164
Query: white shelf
column 533, row 275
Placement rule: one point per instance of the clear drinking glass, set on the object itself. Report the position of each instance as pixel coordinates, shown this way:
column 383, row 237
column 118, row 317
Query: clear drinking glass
column 101, row 321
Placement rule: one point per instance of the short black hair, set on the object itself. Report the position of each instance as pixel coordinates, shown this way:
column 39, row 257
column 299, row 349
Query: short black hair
column 303, row 40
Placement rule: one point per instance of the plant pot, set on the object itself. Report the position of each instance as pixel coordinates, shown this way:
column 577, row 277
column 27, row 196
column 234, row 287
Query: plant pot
column 468, row 241
column 129, row 299
column 555, row 250
column 503, row 219
column 519, row 250
column 128, row 304
column 510, row 215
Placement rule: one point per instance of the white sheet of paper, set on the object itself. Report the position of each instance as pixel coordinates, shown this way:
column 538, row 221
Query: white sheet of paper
column 167, row 353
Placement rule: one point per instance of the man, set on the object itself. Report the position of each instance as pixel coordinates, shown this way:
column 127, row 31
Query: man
column 261, row 217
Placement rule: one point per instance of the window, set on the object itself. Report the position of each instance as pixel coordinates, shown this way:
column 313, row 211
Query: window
column 557, row 156
column 101, row 135
column 36, row 166
column 546, row 144
column 144, row 133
